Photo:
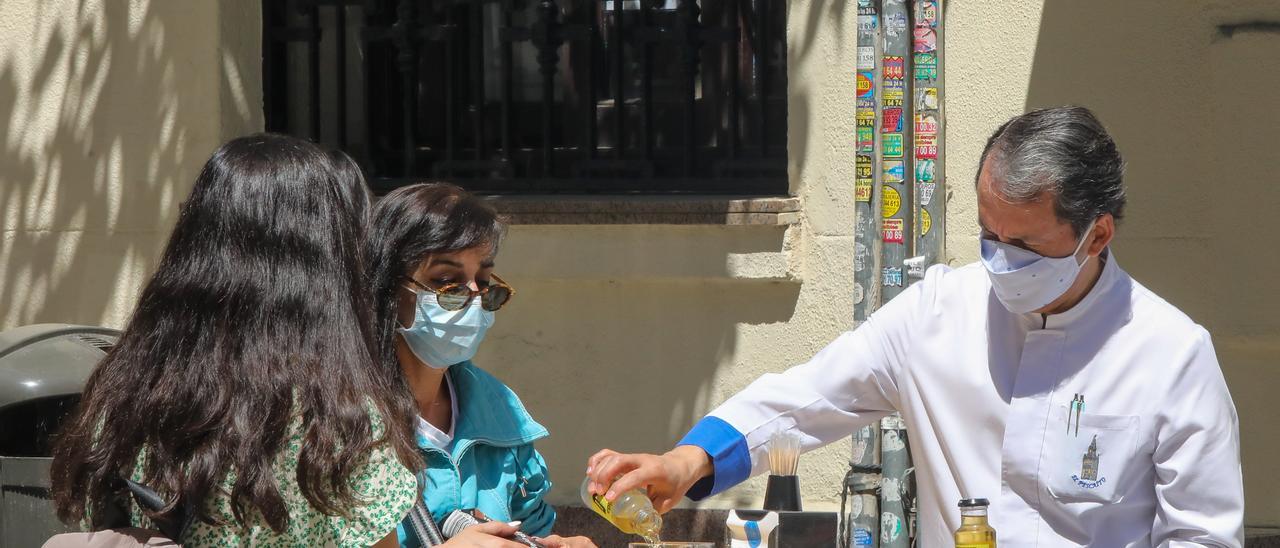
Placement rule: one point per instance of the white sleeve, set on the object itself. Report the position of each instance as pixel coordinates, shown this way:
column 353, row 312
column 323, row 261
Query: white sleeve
column 849, row 384
column 1199, row 488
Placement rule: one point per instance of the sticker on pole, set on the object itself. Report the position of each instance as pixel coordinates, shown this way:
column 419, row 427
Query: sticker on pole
column 915, row 269
column 927, row 146
column 927, row 13
column 892, row 231
column 892, row 120
column 925, row 171
column 894, row 171
column 890, row 527
column 891, row 201
column 926, row 124
column 891, row 277
column 866, row 17
column 925, row 192
column 926, row 66
column 860, row 253
column 926, row 40
column 864, row 84
column 866, row 57
column 893, row 96
column 863, row 179
column 866, row 113
column 866, row 139
column 926, row 222
column 893, row 145
column 895, row 67
column 861, row 537
column 927, row 98
column 895, row 23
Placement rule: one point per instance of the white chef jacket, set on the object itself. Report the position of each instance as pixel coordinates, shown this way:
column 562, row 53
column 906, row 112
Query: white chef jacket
column 986, row 395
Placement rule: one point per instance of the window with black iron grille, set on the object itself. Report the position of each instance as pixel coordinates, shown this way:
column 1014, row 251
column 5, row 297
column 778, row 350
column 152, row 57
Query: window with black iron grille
column 538, row 96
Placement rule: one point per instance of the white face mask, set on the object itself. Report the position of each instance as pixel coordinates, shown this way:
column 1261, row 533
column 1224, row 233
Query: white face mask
column 442, row 338
column 1026, row 281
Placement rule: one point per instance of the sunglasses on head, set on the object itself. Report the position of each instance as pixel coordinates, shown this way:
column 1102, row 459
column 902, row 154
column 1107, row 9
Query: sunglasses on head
column 456, row 296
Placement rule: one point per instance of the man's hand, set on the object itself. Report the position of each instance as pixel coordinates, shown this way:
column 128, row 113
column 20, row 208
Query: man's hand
column 666, row 478
column 557, row 541
column 485, row 535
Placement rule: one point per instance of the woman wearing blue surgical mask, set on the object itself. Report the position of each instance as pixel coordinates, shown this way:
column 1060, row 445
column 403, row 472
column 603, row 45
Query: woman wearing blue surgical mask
column 431, row 255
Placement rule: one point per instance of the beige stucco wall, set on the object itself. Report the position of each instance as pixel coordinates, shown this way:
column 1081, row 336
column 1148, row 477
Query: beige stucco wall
column 1193, row 113
column 107, row 111
column 622, row 336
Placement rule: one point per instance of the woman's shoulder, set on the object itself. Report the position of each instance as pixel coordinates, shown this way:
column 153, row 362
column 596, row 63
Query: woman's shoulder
column 384, row 488
column 491, row 410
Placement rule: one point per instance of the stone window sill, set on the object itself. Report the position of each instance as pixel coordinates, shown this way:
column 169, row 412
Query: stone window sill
column 635, row 210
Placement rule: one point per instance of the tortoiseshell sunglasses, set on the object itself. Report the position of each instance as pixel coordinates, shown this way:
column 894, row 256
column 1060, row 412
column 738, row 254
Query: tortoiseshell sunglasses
column 456, row 296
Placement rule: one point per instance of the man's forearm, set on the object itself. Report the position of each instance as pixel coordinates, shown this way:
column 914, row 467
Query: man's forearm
column 694, row 461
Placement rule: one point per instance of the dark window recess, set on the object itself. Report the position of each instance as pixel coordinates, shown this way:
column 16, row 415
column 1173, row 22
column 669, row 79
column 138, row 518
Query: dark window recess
column 538, row 96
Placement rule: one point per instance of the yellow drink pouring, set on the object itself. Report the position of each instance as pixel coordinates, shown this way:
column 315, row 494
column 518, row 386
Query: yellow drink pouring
column 974, row 532
column 632, row 513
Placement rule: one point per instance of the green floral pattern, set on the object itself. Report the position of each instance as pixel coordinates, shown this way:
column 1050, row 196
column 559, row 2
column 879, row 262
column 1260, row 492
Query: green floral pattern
column 388, row 489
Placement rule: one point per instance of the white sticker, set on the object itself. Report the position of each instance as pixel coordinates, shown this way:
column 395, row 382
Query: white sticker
column 866, row 23
column 892, row 442
column 891, row 489
column 926, row 192
column 890, row 527
column 857, row 293
column 893, row 422
column 895, row 23
column 866, row 57
column 915, row 267
column 855, row 506
column 859, row 256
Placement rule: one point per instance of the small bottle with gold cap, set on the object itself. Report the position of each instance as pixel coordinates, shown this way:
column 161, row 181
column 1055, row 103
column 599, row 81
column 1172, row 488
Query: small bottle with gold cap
column 974, row 531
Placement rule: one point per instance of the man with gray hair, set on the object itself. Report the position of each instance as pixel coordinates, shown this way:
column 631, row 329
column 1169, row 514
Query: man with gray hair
column 1044, row 378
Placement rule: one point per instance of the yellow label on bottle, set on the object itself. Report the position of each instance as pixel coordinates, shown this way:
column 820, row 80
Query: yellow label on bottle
column 602, row 506
column 976, row 545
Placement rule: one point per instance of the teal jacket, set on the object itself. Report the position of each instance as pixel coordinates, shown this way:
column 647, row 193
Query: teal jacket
column 491, row 464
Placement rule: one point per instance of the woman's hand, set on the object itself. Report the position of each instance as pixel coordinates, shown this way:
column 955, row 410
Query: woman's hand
column 492, row 534
column 557, row 541
column 666, row 478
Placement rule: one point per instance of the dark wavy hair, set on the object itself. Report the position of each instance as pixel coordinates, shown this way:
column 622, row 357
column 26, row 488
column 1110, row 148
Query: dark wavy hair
column 256, row 314
column 409, row 224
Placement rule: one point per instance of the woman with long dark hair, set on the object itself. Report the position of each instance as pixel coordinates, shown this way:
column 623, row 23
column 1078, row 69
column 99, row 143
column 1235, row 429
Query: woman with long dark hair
column 243, row 389
column 431, row 255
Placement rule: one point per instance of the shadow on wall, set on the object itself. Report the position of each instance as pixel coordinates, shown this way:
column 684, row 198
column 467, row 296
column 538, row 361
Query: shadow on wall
column 806, row 102
column 109, row 110
column 629, row 366
column 1187, row 105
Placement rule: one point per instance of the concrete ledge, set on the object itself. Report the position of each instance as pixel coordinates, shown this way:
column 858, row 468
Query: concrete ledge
column 652, row 252
column 1262, row 537
column 666, row 209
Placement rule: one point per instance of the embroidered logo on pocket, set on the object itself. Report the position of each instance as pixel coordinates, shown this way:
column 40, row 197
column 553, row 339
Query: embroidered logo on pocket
column 1089, row 478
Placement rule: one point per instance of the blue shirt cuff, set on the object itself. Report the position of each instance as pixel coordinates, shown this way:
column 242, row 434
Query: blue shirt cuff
column 730, row 457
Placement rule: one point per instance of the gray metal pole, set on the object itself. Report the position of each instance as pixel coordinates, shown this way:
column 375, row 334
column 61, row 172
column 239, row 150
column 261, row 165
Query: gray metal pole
column 863, row 481
column 866, row 233
column 927, row 177
column 895, row 138
column 895, row 465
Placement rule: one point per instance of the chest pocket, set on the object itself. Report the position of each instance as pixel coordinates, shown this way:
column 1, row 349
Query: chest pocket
column 1087, row 466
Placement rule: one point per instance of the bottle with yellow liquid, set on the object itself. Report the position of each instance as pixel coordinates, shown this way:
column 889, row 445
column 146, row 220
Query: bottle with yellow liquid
column 974, row 532
column 632, row 513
